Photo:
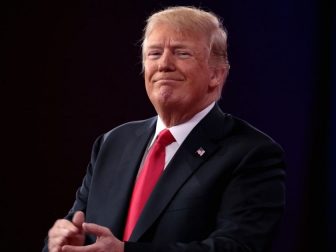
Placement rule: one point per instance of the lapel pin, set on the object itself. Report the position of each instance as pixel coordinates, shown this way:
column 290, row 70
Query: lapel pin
column 200, row 151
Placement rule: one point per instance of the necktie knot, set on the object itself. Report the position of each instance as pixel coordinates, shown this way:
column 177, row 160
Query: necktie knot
column 165, row 138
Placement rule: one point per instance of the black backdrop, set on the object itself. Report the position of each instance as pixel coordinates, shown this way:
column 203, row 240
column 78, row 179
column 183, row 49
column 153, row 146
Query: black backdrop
column 73, row 71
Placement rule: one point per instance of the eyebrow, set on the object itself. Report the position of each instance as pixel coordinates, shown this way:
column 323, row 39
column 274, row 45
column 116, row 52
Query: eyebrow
column 174, row 46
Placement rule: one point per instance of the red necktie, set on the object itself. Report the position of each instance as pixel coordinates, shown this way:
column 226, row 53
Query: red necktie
column 149, row 175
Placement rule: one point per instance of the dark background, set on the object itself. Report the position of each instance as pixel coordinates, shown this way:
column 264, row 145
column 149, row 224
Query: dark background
column 72, row 70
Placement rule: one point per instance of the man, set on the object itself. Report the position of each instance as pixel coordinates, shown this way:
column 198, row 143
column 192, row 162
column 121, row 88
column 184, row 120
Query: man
column 221, row 183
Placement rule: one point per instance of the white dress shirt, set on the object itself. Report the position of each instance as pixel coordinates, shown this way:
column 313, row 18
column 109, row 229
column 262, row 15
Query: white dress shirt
column 180, row 132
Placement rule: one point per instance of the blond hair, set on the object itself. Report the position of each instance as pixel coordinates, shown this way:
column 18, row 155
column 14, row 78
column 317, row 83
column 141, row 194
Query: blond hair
column 193, row 20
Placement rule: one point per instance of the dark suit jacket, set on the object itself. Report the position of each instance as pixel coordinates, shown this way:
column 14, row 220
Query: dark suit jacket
column 229, row 199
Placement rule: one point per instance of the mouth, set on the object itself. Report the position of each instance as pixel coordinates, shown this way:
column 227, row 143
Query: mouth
column 166, row 82
column 166, row 79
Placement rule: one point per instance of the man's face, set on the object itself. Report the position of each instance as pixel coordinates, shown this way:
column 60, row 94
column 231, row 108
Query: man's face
column 177, row 75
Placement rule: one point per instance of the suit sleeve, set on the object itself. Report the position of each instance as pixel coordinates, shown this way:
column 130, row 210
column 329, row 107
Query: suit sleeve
column 251, row 207
column 83, row 192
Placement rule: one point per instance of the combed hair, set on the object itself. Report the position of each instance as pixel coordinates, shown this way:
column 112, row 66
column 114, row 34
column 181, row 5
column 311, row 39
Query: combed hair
column 193, row 20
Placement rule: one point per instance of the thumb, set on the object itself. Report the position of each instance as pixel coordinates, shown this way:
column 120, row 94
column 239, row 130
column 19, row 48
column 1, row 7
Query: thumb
column 96, row 230
column 78, row 219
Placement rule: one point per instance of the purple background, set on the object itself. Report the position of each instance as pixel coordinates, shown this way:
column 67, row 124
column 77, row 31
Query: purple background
column 73, row 71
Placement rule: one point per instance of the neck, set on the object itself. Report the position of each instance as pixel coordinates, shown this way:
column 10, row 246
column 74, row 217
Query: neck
column 171, row 119
column 175, row 117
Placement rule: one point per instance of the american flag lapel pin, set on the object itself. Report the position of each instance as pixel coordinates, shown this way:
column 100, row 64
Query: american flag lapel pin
column 200, row 152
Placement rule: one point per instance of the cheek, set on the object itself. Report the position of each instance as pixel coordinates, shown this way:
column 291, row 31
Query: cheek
column 149, row 67
column 147, row 74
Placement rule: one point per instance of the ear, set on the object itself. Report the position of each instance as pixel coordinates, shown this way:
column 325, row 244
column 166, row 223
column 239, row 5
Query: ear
column 218, row 75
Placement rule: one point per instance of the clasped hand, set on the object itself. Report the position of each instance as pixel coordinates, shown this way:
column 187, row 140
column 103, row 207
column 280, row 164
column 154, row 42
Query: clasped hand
column 67, row 236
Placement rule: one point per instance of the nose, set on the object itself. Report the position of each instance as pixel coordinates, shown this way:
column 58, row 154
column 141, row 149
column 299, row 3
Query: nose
column 166, row 62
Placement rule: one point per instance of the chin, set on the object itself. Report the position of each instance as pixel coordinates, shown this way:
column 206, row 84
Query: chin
column 164, row 95
column 166, row 102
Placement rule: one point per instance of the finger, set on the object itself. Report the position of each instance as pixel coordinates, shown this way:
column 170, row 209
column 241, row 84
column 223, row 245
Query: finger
column 88, row 248
column 96, row 230
column 60, row 238
column 62, row 231
column 56, row 244
column 64, row 224
column 78, row 219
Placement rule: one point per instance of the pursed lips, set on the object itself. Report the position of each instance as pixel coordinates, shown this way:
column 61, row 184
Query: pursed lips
column 167, row 79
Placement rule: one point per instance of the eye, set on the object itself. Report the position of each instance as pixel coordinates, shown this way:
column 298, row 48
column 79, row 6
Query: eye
column 154, row 54
column 183, row 54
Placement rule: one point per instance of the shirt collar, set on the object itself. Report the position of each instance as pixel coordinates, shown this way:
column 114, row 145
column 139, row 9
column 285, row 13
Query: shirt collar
column 181, row 131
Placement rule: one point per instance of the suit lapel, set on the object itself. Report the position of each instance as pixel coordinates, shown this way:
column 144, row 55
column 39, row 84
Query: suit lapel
column 196, row 149
column 129, row 164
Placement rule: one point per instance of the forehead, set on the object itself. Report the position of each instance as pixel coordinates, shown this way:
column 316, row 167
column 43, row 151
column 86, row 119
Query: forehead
column 163, row 34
